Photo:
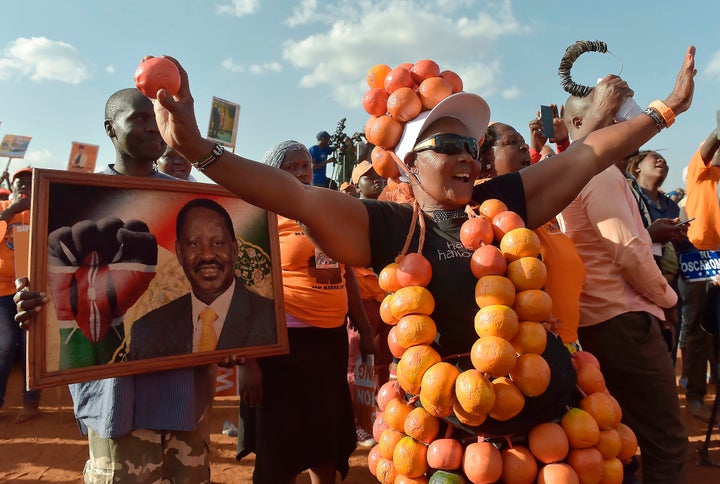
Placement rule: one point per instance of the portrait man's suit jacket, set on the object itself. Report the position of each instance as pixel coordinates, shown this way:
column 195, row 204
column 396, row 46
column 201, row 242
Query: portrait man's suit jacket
column 168, row 330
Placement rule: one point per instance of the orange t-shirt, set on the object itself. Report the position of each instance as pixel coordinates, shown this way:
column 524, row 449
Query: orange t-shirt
column 368, row 284
column 313, row 284
column 565, row 278
column 702, row 203
column 7, row 250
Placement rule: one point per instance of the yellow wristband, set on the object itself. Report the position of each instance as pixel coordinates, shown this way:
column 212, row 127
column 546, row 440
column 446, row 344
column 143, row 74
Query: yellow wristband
column 667, row 114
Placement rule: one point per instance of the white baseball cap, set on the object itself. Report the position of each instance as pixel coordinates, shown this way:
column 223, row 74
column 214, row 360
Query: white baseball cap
column 470, row 109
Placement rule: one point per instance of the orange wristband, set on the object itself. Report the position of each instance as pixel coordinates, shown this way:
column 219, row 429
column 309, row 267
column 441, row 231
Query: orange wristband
column 667, row 114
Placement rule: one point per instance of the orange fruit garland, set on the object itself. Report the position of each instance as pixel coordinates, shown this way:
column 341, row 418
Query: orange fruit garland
column 527, row 273
column 509, row 400
column 496, row 320
column 421, row 425
column 411, row 300
column 474, row 392
column 493, row 355
column 415, row 329
column 531, row 374
column 548, row 442
column 491, row 290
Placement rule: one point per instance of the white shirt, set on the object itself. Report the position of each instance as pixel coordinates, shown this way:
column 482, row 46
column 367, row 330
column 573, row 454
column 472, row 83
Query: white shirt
column 220, row 306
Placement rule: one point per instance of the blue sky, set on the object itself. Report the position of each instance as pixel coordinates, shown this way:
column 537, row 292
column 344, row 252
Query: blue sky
column 298, row 67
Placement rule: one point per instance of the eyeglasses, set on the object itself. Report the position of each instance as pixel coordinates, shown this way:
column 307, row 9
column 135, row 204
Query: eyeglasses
column 450, row 144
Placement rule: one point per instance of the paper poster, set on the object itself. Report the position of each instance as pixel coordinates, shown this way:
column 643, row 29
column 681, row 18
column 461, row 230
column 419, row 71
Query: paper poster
column 223, row 123
column 700, row 266
column 82, row 157
column 365, row 392
column 14, row 146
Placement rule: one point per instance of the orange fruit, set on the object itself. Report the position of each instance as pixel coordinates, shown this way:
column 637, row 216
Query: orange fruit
column 603, row 408
column 548, row 442
column 373, row 458
column 527, row 273
column 157, row 73
column 581, row 428
column 467, row 418
column 400, row 479
column 487, row 260
column 385, row 471
column 379, row 426
column 476, row 232
column 445, row 454
column 376, row 75
column 403, row 104
column 455, row 81
column 395, row 413
column 496, row 320
column 411, row 300
column 413, row 365
column 384, row 163
column 609, row 443
column 613, row 472
column 422, row 425
column 389, row 390
column 388, row 441
column 587, row 463
column 491, row 207
column 557, row 474
column 410, row 457
column 519, row 242
column 482, row 462
column 437, row 389
column 493, row 355
column 533, row 305
column 509, row 400
column 433, row 90
column 383, row 131
column 397, row 78
column 375, row 101
column 474, row 392
column 583, row 357
column 423, row 69
column 396, row 349
column 385, row 313
column 531, row 374
column 628, row 441
column 519, row 466
column 415, row 329
column 406, row 65
column 387, row 279
column 414, row 270
column 531, row 337
column 590, row 379
column 490, row 290
column 506, row 221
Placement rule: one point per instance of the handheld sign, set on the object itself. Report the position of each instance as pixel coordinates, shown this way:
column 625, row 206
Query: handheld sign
column 700, row 266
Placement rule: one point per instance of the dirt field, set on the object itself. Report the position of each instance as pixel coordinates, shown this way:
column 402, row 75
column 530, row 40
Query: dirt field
column 51, row 449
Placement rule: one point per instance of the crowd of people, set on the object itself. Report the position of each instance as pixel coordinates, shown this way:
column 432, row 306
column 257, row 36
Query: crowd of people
column 612, row 240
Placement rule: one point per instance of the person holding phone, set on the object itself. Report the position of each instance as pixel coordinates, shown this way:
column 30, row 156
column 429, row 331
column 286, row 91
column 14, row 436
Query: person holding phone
column 548, row 125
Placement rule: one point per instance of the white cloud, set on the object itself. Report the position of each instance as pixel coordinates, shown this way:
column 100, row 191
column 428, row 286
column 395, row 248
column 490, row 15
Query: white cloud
column 713, row 68
column 230, row 65
column 361, row 34
column 42, row 59
column 39, row 158
column 303, row 14
column 239, row 8
column 110, row 69
column 511, row 92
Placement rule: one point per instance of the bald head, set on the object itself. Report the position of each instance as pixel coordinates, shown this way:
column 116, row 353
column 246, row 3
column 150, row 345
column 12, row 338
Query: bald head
column 120, row 100
column 576, row 110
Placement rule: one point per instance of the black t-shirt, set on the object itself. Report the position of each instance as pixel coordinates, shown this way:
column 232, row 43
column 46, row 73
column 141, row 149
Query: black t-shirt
column 453, row 287
column 452, row 284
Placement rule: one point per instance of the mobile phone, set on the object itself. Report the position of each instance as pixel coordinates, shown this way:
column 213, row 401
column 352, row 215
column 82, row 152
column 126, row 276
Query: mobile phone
column 546, row 118
column 684, row 222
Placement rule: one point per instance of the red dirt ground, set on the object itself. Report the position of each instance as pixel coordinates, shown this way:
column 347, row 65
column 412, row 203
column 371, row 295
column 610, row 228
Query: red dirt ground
column 51, row 449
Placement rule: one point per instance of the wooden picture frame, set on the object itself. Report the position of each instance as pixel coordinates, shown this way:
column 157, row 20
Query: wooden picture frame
column 106, row 276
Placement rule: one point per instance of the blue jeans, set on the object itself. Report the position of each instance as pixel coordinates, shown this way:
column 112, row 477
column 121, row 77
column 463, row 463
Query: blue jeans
column 12, row 338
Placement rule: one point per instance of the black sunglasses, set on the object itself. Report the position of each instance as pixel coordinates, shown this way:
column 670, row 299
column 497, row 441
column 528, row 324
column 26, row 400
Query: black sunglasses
column 450, row 144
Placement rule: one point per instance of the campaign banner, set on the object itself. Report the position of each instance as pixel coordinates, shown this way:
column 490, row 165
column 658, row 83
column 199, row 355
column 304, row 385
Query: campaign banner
column 365, row 391
column 82, row 157
column 701, row 265
column 14, row 146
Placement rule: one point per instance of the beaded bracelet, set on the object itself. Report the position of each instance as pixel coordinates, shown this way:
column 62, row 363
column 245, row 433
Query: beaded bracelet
column 655, row 116
column 667, row 114
column 216, row 152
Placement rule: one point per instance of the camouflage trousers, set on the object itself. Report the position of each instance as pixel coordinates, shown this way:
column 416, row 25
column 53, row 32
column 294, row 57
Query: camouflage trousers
column 149, row 456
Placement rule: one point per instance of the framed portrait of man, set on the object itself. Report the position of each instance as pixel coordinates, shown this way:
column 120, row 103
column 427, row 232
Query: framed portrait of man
column 147, row 275
column 223, row 124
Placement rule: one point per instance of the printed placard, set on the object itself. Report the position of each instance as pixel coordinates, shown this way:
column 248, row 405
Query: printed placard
column 700, row 266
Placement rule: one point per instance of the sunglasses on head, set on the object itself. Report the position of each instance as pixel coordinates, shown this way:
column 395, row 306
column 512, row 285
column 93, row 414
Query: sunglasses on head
column 450, row 144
